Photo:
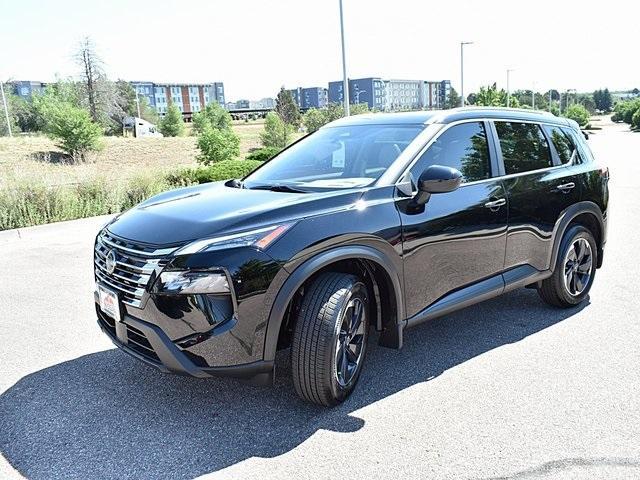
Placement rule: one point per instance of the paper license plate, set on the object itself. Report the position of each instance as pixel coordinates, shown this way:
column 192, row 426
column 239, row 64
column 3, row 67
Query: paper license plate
column 109, row 303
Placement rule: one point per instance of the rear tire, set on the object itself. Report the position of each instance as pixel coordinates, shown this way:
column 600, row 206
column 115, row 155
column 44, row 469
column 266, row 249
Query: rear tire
column 330, row 338
column 574, row 271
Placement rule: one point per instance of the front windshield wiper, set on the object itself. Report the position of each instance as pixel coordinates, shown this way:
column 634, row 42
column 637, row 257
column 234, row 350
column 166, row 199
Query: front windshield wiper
column 278, row 187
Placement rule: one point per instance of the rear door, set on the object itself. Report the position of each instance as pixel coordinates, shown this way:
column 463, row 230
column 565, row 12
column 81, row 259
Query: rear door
column 538, row 189
column 459, row 237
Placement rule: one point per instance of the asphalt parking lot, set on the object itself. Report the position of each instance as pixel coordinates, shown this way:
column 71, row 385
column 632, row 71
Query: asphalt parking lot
column 509, row 388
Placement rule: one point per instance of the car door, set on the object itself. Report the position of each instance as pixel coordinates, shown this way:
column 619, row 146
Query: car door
column 538, row 190
column 459, row 237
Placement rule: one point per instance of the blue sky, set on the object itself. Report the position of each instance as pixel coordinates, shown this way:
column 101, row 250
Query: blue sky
column 257, row 46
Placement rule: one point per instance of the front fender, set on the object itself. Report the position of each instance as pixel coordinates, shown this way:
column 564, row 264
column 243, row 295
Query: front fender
column 315, row 263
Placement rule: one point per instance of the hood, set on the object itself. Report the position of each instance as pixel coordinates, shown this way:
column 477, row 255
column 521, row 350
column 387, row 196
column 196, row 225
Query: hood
column 191, row 213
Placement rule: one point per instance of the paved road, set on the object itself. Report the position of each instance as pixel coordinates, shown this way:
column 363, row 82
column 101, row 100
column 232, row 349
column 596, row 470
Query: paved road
column 506, row 389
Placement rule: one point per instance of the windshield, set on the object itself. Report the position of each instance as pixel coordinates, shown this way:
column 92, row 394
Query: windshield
column 336, row 157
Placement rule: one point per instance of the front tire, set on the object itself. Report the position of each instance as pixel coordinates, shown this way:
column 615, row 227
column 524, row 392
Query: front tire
column 574, row 271
column 330, row 338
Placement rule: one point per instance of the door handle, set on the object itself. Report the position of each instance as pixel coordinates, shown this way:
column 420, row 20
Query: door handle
column 566, row 187
column 496, row 204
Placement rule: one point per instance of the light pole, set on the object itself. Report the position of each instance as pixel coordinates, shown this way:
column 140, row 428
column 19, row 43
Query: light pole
column 462, row 44
column 533, row 96
column 345, row 81
column 509, row 70
column 358, row 92
column 138, row 103
column 6, row 109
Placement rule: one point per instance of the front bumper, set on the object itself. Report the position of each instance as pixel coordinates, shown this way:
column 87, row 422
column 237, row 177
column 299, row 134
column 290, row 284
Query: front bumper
column 148, row 343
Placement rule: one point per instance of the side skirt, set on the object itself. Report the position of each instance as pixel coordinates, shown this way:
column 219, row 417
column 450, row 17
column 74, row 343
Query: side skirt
column 517, row 277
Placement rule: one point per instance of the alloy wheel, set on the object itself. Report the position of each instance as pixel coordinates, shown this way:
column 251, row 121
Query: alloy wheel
column 350, row 342
column 578, row 267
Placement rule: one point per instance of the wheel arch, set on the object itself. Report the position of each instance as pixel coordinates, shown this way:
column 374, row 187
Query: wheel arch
column 382, row 272
column 583, row 213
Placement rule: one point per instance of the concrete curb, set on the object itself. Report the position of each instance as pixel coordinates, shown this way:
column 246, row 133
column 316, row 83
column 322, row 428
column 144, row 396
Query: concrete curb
column 29, row 233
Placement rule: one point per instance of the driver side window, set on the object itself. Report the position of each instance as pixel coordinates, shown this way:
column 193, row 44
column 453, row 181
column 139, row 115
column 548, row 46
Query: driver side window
column 463, row 147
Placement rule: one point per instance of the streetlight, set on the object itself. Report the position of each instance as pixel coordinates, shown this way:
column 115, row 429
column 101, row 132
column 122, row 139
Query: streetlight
column 509, row 70
column 462, row 44
column 358, row 92
column 6, row 110
column 345, row 81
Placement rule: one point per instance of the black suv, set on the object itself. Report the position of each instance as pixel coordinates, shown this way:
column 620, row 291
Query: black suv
column 377, row 221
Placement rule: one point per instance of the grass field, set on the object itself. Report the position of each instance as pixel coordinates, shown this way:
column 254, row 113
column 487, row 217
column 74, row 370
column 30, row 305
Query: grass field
column 35, row 159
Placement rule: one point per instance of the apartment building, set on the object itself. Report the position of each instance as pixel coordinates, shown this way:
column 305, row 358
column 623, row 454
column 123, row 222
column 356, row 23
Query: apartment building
column 189, row 98
column 26, row 88
column 369, row 90
column 309, row 97
column 393, row 94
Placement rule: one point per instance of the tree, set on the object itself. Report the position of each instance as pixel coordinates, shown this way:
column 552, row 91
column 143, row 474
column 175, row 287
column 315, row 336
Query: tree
column 313, row 119
column 287, row 109
column 217, row 145
column 92, row 74
column 453, row 100
column 635, row 119
column 125, row 104
column 492, row 97
column 578, row 113
column 213, row 116
column 71, row 126
column 172, row 124
column 276, row 132
column 603, row 100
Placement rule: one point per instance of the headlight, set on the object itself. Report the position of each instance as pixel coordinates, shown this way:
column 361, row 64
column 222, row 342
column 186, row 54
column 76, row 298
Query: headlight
column 260, row 238
column 191, row 282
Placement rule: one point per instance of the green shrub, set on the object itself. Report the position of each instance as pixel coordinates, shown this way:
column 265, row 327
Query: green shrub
column 172, row 125
column 263, row 154
column 213, row 116
column 69, row 126
column 217, row 145
column 219, row 171
column 579, row 114
column 635, row 120
column 277, row 133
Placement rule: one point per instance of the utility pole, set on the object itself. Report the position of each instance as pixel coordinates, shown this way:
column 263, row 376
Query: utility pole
column 138, row 103
column 549, row 99
column 345, row 81
column 6, row 109
column 462, row 99
column 509, row 70
column 533, row 96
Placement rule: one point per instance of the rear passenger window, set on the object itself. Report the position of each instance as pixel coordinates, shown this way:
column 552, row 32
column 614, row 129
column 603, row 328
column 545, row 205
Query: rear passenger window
column 563, row 143
column 581, row 152
column 463, row 147
column 524, row 147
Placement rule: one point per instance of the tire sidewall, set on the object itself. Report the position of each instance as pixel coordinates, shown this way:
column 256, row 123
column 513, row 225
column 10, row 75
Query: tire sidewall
column 570, row 237
column 339, row 392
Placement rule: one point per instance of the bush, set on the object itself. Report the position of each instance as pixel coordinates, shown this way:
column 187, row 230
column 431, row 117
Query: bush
column 217, row 145
column 23, row 205
column 172, row 124
column 578, row 113
column 277, row 133
column 213, row 116
column 263, row 154
column 220, row 171
column 69, row 126
column 635, row 120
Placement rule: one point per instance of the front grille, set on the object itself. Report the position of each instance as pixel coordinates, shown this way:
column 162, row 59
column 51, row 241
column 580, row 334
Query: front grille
column 135, row 265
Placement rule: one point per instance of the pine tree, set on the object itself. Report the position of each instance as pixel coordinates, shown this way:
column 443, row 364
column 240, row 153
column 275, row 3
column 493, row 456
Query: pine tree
column 287, row 109
column 172, row 124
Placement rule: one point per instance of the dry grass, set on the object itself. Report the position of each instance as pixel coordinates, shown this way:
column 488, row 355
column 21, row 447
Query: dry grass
column 31, row 159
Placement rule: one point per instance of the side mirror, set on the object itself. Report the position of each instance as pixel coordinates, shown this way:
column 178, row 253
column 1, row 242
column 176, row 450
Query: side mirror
column 437, row 179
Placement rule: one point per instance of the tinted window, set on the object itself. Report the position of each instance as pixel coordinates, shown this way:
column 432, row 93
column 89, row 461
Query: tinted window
column 563, row 144
column 337, row 157
column 524, row 147
column 582, row 152
column 463, row 147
